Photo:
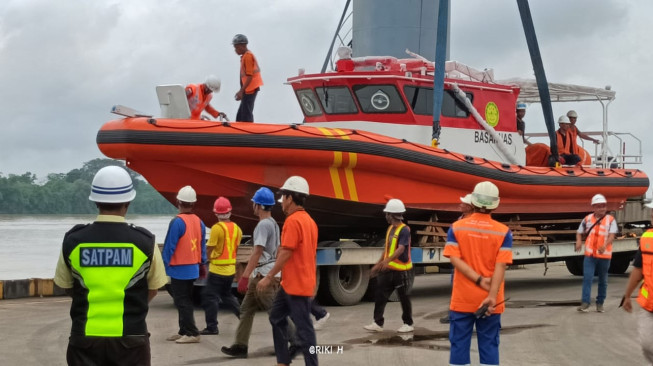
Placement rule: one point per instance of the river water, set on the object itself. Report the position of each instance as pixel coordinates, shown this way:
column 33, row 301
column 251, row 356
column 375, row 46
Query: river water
column 30, row 245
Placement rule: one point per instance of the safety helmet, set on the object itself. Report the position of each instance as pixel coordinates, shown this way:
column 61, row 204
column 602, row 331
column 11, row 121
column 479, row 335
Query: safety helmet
column 486, row 195
column 394, row 206
column 521, row 105
column 213, row 83
column 263, row 196
column 222, row 205
column 598, row 198
column 572, row 113
column 112, row 184
column 563, row 119
column 187, row 194
column 467, row 199
column 239, row 39
column 344, row 52
column 296, row 184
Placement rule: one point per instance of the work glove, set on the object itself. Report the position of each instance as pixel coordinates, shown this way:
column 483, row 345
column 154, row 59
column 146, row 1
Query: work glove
column 243, row 283
column 203, row 271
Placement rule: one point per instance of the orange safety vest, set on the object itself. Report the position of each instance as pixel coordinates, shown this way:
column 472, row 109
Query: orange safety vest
column 197, row 100
column 645, row 298
column 389, row 251
column 232, row 235
column 257, row 81
column 598, row 236
column 189, row 246
column 568, row 144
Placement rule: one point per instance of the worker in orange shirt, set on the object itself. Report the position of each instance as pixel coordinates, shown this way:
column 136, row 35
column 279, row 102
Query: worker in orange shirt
column 250, row 79
column 199, row 97
column 479, row 249
column 296, row 258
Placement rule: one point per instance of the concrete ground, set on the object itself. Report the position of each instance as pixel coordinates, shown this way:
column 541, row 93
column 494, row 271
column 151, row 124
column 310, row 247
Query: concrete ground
column 540, row 327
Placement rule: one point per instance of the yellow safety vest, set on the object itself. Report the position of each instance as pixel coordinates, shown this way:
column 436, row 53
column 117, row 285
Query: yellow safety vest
column 389, row 251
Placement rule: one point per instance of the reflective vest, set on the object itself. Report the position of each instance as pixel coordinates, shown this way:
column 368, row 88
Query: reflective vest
column 389, row 251
column 645, row 298
column 598, row 236
column 189, row 246
column 257, row 81
column 232, row 235
column 566, row 142
column 197, row 100
column 110, row 263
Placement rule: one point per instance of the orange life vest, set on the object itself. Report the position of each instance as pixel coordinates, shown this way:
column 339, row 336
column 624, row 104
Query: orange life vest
column 391, row 246
column 598, row 236
column 197, row 100
column 189, row 246
column 566, row 145
column 257, row 81
column 645, row 298
column 232, row 235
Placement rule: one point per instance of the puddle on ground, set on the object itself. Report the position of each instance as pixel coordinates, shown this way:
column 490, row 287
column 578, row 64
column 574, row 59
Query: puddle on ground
column 517, row 304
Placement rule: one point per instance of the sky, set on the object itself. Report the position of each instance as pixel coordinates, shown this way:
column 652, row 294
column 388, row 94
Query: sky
column 64, row 64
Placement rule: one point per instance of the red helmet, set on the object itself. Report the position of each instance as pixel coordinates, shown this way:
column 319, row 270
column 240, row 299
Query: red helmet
column 222, row 205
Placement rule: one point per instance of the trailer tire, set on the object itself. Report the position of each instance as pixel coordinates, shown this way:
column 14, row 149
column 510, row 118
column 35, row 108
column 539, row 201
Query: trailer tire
column 344, row 285
column 394, row 297
column 619, row 264
column 575, row 265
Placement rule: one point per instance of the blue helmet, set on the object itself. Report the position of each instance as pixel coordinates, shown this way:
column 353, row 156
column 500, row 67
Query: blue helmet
column 521, row 105
column 263, row 196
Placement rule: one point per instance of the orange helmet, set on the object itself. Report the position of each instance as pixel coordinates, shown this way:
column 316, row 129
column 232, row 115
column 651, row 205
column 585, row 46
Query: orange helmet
column 222, row 205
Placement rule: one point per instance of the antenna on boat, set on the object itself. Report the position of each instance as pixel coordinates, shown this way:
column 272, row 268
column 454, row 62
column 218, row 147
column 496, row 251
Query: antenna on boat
column 540, row 77
column 438, row 72
column 335, row 35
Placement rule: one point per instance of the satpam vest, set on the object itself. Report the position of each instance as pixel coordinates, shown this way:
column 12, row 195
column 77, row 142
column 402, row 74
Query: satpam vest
column 232, row 235
column 189, row 246
column 645, row 298
column 391, row 238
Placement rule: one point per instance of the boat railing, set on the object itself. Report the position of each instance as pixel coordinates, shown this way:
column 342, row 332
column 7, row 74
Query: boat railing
column 616, row 150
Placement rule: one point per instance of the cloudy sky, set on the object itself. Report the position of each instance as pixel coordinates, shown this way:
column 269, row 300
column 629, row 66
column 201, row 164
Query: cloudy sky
column 64, row 64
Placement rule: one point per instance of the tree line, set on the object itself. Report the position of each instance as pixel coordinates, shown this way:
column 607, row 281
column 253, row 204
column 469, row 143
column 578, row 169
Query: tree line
column 67, row 193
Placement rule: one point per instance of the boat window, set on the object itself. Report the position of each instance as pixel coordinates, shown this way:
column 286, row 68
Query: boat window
column 308, row 102
column 379, row 99
column 336, row 100
column 421, row 101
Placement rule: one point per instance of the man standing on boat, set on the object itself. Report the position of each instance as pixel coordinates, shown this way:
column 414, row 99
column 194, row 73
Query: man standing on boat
column 643, row 269
column 117, row 271
column 199, row 97
column 266, row 242
column 479, row 249
column 250, row 79
column 184, row 255
column 392, row 269
column 222, row 248
column 573, row 117
column 296, row 258
column 567, row 148
column 599, row 228
column 521, row 125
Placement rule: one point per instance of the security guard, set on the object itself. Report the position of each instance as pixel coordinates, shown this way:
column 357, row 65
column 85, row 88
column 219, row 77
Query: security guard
column 392, row 269
column 112, row 271
column 643, row 269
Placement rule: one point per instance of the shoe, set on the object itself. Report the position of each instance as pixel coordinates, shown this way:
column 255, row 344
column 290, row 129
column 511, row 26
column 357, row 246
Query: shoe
column 373, row 327
column 599, row 308
column 292, row 351
column 207, row 331
column 406, row 328
column 236, row 350
column 584, row 307
column 173, row 337
column 188, row 339
column 445, row 319
column 319, row 324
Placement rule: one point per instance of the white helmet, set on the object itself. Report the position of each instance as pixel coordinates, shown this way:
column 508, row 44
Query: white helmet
column 467, row 199
column 296, row 184
column 394, row 206
column 187, row 194
column 112, row 184
column 572, row 113
column 598, row 198
column 563, row 119
column 486, row 195
column 213, row 82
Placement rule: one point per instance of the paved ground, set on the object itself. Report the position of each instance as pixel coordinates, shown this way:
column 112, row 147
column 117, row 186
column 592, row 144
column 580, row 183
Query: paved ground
column 540, row 327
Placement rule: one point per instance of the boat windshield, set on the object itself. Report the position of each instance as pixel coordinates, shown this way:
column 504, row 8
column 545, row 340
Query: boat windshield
column 379, row 99
column 420, row 100
column 336, row 100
